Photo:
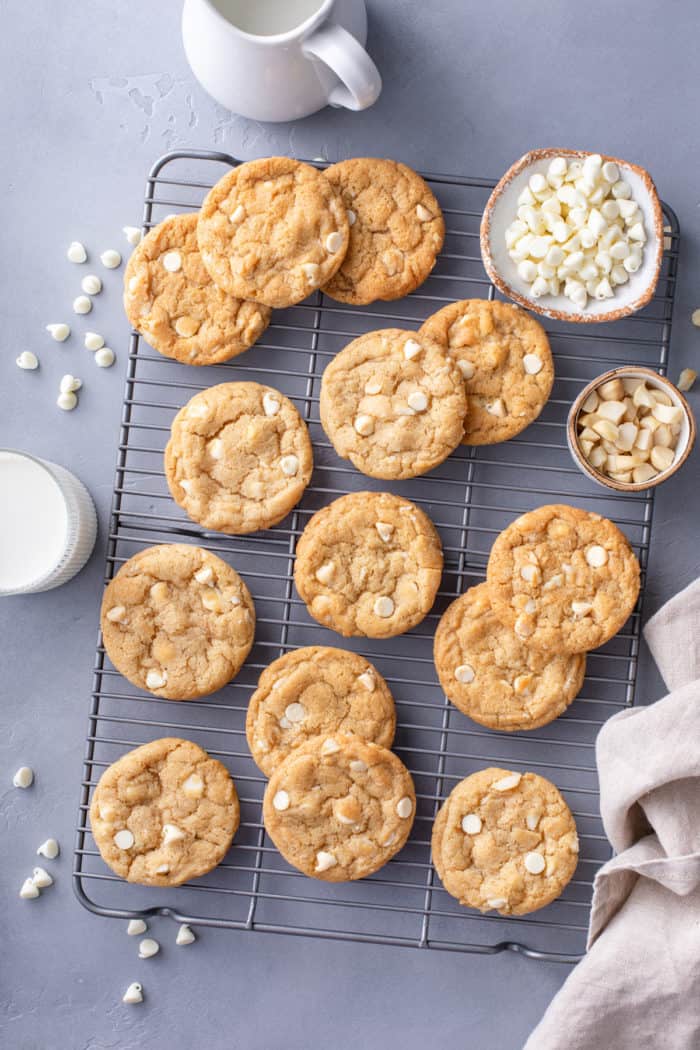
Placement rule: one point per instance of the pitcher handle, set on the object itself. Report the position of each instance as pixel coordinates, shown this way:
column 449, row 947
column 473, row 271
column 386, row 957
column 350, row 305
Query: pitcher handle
column 340, row 51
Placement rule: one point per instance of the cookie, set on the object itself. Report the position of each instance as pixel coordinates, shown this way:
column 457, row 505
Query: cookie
column 170, row 298
column 239, row 457
column 393, row 404
column 312, row 691
column 490, row 675
column 177, row 621
column 272, row 230
column 505, row 841
column 339, row 807
column 504, row 356
column 564, row 579
column 396, row 230
column 164, row 813
column 369, row 564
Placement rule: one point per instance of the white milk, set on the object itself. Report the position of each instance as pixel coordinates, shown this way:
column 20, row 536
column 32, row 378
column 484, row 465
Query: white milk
column 33, row 521
column 267, row 17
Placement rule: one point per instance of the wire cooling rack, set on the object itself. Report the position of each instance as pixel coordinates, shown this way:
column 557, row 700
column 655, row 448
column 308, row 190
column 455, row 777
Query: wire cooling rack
column 471, row 497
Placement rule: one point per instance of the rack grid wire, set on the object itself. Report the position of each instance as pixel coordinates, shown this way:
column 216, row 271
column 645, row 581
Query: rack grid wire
column 470, row 497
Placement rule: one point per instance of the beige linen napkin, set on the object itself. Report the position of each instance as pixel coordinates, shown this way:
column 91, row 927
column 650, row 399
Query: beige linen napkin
column 638, row 987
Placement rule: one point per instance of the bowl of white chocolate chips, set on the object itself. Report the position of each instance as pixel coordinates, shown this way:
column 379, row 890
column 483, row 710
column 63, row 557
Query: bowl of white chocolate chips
column 574, row 236
column 630, row 429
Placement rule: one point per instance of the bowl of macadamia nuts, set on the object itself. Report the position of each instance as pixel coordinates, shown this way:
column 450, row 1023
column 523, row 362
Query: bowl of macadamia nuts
column 630, row 429
column 575, row 236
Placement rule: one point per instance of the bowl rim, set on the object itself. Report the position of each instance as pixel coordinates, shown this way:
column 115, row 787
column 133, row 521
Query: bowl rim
column 535, row 305
column 603, row 479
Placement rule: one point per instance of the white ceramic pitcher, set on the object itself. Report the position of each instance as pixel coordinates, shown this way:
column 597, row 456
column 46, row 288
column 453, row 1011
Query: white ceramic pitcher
column 277, row 76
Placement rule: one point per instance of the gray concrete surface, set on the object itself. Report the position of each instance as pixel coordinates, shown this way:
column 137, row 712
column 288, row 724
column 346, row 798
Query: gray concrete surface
column 91, row 94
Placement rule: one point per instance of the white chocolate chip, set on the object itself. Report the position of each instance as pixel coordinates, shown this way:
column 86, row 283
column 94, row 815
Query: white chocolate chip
column 497, row 902
column 271, row 405
column 471, row 824
column 423, row 214
column 163, row 869
column 553, row 582
column 91, row 284
column 464, row 673
column 49, row 849
column 383, row 606
column 686, row 379
column 156, row 679
column 532, row 364
column 132, row 234
column 41, row 878
column 237, row 215
column 76, row 252
column 171, row 833
column 104, row 358
column 29, row 891
column 67, row 402
column 27, row 361
column 385, row 530
column 69, row 384
column 411, row 349
column 136, row 927
column 325, row 572
column 187, row 326
column 580, row 609
column 295, row 713
column 205, row 574
column 185, row 935
column 216, row 448
column 193, row 787
column 596, row 556
column 325, row 860
column 124, row 839
column 466, row 368
column 532, row 820
column 695, row 318
column 358, row 766
column 148, row 948
column 530, row 573
column 496, row 408
column 133, row 994
column 334, row 242
column 352, row 217
column 364, row 425
column 310, row 271
column 117, row 614
column 367, row 680
column 172, row 262
column 82, row 304
column 534, row 863
column 523, row 627
column 522, row 684
column 59, row 332
column 330, row 746
column 289, row 465
column 507, row 783
column 93, row 341
column 404, row 807
column 373, row 386
column 417, row 400
column 530, row 605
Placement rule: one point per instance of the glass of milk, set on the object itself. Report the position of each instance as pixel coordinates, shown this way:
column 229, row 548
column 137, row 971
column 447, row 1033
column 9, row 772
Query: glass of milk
column 48, row 525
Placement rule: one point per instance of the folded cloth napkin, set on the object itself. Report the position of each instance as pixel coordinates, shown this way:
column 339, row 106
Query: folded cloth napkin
column 638, row 987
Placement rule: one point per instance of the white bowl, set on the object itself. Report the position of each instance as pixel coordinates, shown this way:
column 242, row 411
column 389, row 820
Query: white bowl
column 501, row 210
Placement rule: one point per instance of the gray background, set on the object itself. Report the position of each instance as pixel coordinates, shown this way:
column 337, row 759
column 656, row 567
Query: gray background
column 92, row 93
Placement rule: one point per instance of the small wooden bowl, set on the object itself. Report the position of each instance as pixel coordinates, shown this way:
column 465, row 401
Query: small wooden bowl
column 501, row 210
column 686, row 438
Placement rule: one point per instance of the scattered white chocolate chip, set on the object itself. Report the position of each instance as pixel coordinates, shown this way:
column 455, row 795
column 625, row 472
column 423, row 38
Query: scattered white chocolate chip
column 67, row 402
column 82, row 304
column 132, row 234
column 205, row 574
column 172, row 262
column 91, row 284
column 417, row 400
column 27, row 361
column 364, row 425
column 352, row 217
column 596, row 556
column 104, row 358
column 185, row 935
column 383, row 606
column 117, row 614
column 49, row 849
column 148, row 948
column 187, row 327
column 471, row 824
column 507, row 783
column 133, row 994
column 76, row 252
column 464, row 673
column 163, row 869
column 59, row 332
column 695, row 317
column 385, row 530
column 330, row 746
column 534, row 863
column 496, row 408
column 686, row 379
column 29, row 890
column 41, row 878
column 171, row 833
column 367, row 680
column 69, row 384
column 530, row 573
column 580, row 609
column 497, row 902
column 271, row 405
column 156, row 679
column 124, row 839
column 523, row 627
column 532, row 820
column 411, row 349
column 111, row 259
column 358, row 766
column 216, row 448
column 193, row 787
column 93, row 341
column 467, row 369
column 289, row 465
column 325, row 860
column 325, row 572
column 423, row 214
column 136, row 927
column 310, row 271
column 532, row 364
column 334, row 242
column 295, row 712
column 553, row 582
column 237, row 215
column 373, row 386
column 404, row 807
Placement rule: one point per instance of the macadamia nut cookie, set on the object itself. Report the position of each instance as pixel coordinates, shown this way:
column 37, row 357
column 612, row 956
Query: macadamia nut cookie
column 164, row 813
column 393, row 403
column 505, row 842
column 339, row 807
column 396, row 230
column 564, row 579
column 315, row 691
column 177, row 621
column 493, row 676
column 170, row 298
column 504, row 357
column 272, row 230
column 369, row 564
column 239, row 457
